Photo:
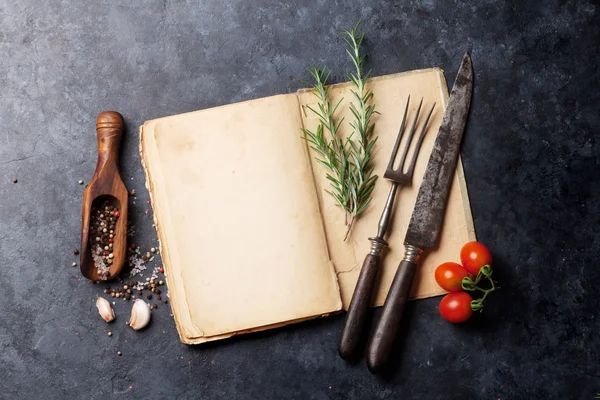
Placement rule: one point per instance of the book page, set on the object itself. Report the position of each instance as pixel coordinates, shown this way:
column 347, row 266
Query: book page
column 390, row 96
column 242, row 238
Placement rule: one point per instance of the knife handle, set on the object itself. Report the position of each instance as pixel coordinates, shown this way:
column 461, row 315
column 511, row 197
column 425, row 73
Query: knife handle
column 360, row 304
column 386, row 330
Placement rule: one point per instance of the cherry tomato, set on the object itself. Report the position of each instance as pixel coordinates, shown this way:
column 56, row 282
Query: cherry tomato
column 449, row 276
column 456, row 307
column 475, row 255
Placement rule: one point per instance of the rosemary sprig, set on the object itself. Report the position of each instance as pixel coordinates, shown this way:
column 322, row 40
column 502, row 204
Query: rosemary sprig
column 331, row 151
column 361, row 172
column 348, row 159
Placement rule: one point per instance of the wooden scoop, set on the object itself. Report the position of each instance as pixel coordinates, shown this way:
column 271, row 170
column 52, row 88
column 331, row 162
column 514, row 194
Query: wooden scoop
column 106, row 185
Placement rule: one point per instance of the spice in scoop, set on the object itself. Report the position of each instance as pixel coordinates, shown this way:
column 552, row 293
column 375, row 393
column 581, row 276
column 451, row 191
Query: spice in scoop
column 102, row 231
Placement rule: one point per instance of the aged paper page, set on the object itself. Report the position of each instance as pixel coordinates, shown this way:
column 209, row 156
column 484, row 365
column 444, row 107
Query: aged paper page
column 390, row 94
column 241, row 232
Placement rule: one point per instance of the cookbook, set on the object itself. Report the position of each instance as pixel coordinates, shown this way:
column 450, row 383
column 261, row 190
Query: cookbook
column 249, row 238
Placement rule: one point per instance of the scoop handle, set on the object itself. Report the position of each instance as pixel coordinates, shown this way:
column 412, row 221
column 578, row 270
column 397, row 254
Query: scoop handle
column 109, row 128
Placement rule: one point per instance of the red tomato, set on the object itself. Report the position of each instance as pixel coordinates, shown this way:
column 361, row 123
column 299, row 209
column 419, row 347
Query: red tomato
column 449, row 276
column 456, row 307
column 475, row 255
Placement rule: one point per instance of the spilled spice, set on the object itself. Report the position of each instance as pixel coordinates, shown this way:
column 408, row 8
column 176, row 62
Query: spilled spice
column 139, row 279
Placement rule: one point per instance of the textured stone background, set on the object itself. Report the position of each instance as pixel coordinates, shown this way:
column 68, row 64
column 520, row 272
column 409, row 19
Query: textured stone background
column 530, row 153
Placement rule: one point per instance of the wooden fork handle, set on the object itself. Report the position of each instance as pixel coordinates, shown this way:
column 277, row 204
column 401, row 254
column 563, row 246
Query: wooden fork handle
column 109, row 128
column 356, row 321
column 386, row 329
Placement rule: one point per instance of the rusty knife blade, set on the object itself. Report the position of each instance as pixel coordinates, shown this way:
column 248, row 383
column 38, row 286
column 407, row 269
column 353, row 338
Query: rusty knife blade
column 426, row 221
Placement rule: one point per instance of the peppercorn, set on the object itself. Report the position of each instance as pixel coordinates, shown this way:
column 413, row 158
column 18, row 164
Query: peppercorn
column 14, row 180
column 76, row 251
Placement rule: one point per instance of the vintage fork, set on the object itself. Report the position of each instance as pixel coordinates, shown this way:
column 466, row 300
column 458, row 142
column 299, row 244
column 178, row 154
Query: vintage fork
column 353, row 331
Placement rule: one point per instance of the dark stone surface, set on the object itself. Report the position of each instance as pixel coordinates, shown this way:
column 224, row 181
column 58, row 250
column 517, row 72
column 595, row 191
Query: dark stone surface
column 530, row 154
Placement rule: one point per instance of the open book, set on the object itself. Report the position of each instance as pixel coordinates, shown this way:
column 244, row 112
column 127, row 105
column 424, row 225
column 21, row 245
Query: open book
column 249, row 238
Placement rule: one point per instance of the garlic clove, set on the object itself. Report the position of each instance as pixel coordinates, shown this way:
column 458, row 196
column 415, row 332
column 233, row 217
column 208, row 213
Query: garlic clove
column 140, row 315
column 105, row 310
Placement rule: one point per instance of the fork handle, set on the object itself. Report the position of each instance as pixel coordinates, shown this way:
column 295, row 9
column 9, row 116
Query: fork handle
column 358, row 311
column 387, row 327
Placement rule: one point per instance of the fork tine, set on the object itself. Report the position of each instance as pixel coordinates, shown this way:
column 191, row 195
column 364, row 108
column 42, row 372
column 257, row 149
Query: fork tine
column 410, row 136
column 390, row 166
column 413, row 161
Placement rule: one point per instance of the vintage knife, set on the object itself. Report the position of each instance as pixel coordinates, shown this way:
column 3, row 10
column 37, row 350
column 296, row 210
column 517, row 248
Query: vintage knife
column 425, row 223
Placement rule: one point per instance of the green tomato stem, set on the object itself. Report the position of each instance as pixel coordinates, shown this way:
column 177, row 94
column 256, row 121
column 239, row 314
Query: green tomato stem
column 477, row 305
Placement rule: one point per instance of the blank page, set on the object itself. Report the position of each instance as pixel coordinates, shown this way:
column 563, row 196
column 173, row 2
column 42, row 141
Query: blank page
column 390, row 93
column 238, row 218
